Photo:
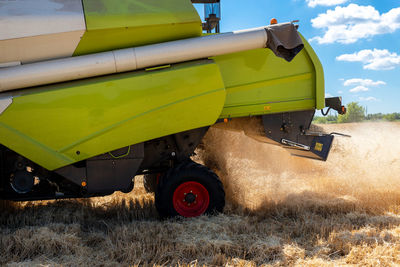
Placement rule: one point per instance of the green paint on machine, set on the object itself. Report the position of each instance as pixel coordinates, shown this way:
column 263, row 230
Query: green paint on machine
column 257, row 82
column 98, row 115
column 94, row 116
column 133, row 23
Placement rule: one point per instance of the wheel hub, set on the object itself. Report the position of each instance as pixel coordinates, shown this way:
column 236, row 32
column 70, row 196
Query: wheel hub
column 191, row 199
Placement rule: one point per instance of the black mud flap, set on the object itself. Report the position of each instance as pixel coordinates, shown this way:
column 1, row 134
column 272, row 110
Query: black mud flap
column 292, row 131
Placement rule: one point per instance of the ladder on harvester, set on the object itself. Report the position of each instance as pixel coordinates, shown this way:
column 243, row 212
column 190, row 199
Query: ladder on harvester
column 212, row 14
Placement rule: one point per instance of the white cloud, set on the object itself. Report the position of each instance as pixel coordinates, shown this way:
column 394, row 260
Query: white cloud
column 368, row 99
column 347, row 25
column 362, row 82
column 328, row 95
column 373, row 59
column 314, row 3
column 340, row 92
column 359, row 88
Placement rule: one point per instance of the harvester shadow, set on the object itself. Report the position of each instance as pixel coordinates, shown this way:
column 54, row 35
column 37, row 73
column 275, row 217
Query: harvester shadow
column 84, row 212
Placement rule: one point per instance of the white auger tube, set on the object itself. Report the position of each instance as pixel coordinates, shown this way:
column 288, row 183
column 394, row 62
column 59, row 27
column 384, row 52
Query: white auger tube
column 73, row 68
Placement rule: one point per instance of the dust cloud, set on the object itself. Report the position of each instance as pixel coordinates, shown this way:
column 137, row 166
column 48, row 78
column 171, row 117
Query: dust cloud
column 364, row 169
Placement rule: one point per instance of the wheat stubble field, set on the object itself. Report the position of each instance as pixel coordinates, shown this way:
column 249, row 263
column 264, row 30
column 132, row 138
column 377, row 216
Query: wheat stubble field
column 280, row 211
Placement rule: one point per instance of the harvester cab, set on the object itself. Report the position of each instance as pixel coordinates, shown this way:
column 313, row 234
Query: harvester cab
column 94, row 93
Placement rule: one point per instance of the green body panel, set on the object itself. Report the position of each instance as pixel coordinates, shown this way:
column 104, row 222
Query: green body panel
column 257, row 82
column 51, row 124
column 319, row 75
column 133, row 23
column 61, row 124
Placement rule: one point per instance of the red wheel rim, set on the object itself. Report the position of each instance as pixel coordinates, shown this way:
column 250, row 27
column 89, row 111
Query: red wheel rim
column 191, row 199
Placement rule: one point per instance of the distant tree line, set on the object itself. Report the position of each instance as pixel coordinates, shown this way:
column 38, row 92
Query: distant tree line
column 356, row 113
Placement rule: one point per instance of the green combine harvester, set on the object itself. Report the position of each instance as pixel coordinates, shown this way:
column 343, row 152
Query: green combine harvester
column 95, row 92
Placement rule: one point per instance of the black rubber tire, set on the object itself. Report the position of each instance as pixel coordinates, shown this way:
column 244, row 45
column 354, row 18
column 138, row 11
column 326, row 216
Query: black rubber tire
column 150, row 182
column 185, row 172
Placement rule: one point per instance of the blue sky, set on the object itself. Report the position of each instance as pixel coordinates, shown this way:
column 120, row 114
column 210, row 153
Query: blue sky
column 358, row 42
